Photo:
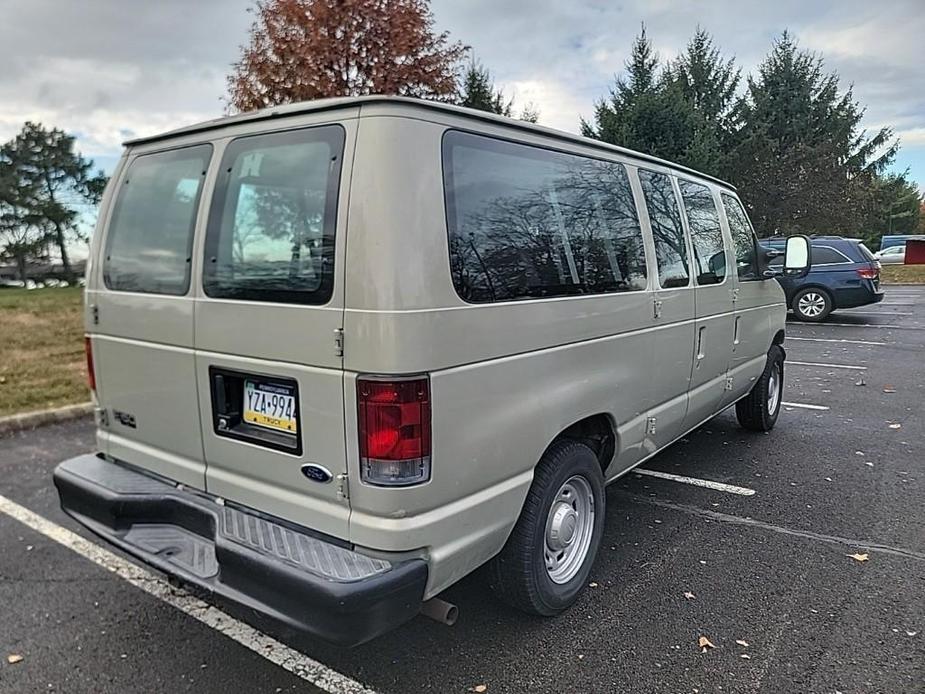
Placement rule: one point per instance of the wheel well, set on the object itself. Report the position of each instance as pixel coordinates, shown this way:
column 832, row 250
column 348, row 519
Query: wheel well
column 598, row 432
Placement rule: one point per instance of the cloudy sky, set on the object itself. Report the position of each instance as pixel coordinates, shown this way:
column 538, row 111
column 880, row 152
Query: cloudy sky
column 112, row 69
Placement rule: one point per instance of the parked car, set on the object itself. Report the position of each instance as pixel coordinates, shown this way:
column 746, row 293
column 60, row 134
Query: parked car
column 345, row 352
column 890, row 240
column 894, row 255
column 844, row 274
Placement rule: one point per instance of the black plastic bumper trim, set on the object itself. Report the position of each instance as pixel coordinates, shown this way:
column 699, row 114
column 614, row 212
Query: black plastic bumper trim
column 307, row 584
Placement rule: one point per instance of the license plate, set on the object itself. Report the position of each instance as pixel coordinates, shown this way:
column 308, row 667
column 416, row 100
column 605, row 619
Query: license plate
column 270, row 405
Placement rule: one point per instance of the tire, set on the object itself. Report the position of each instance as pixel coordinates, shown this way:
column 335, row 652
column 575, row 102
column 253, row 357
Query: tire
column 528, row 574
column 758, row 410
column 812, row 304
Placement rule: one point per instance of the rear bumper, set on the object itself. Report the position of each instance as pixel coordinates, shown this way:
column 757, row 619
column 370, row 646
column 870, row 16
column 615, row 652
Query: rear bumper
column 310, row 583
column 852, row 297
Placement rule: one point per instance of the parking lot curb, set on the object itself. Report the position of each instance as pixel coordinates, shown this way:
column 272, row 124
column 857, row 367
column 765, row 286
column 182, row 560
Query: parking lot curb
column 32, row 420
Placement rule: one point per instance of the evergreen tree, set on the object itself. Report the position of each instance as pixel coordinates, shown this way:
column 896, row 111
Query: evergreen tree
column 60, row 183
column 801, row 160
column 681, row 112
column 478, row 91
column 23, row 238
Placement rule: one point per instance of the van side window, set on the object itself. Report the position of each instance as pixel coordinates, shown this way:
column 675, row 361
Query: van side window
column 273, row 216
column 528, row 222
column 150, row 237
column 743, row 238
column 667, row 231
column 706, row 233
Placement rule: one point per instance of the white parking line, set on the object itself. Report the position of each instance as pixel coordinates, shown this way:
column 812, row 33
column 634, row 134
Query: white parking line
column 824, row 339
column 870, row 325
column 879, row 313
column 804, row 406
column 827, row 366
column 265, row 646
column 709, row 484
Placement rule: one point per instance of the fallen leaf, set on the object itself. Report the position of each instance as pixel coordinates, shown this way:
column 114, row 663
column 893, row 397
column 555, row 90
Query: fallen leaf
column 704, row 643
column 896, row 425
column 860, row 382
column 14, row 658
column 745, row 656
column 592, row 584
column 911, row 633
column 689, row 595
column 480, row 688
column 889, row 389
column 858, row 557
column 742, row 642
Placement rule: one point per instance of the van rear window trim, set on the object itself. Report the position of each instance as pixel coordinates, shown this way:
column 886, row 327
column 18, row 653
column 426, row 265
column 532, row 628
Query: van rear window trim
column 335, row 135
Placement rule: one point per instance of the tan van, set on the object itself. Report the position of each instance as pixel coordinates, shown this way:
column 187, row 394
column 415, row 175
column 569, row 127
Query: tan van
column 345, row 352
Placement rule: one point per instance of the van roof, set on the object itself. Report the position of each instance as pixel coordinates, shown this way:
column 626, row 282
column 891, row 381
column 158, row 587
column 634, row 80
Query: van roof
column 405, row 102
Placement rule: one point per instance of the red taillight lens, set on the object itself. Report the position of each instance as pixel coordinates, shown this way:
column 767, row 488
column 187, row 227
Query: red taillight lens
column 868, row 273
column 91, row 376
column 394, row 427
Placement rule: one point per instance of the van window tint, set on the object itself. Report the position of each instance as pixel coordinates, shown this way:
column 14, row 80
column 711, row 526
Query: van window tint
column 743, row 238
column 273, row 216
column 528, row 222
column 667, row 232
column 150, row 237
column 706, row 234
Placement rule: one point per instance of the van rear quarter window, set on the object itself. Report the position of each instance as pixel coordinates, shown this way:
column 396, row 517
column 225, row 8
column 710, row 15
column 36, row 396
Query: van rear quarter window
column 272, row 222
column 150, row 237
column 527, row 222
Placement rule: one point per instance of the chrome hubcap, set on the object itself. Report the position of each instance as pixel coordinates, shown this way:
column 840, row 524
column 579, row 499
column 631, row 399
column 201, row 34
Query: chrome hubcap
column 811, row 304
column 569, row 527
column 774, row 389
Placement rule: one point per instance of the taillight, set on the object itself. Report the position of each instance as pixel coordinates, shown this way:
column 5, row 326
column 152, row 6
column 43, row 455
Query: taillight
column 91, row 376
column 868, row 273
column 393, row 416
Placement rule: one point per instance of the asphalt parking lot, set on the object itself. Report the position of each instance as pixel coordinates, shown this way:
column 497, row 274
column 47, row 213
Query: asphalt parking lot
column 766, row 576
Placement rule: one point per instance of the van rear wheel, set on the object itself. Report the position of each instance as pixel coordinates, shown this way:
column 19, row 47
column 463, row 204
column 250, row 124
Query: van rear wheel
column 547, row 559
column 758, row 410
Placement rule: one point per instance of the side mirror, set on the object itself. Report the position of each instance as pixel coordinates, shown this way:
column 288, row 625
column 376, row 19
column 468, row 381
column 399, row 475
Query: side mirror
column 797, row 257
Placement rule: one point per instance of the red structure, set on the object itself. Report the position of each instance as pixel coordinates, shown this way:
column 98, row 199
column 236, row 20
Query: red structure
column 915, row 252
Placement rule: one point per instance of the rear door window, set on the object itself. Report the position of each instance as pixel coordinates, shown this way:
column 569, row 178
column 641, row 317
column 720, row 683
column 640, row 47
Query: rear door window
column 706, row 233
column 743, row 238
column 826, row 255
column 273, row 218
column 667, row 231
column 150, row 237
column 529, row 222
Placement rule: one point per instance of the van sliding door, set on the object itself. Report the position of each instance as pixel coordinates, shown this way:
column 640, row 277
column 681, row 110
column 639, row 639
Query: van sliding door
column 714, row 295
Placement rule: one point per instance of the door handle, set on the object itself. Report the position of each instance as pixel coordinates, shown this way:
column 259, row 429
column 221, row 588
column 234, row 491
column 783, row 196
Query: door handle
column 735, row 333
column 700, row 354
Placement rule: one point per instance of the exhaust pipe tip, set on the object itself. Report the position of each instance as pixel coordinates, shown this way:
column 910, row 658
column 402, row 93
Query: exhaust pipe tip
column 440, row 611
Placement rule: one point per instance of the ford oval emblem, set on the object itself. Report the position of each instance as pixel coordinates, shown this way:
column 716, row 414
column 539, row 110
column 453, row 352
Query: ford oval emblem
column 317, row 473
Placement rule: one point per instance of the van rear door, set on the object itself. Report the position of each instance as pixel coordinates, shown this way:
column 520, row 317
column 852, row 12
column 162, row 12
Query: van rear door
column 140, row 314
column 268, row 355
